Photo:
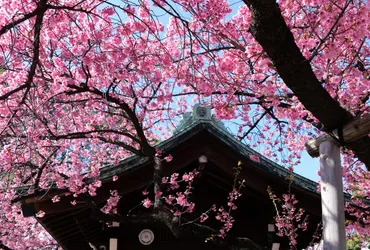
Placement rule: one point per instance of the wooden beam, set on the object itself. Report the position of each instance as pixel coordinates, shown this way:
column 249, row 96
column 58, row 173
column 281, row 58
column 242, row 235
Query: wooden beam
column 351, row 132
column 332, row 198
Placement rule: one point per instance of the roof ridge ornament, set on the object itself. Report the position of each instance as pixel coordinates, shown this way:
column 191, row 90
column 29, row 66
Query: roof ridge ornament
column 200, row 113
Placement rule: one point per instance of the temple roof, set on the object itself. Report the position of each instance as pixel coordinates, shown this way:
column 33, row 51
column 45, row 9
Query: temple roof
column 199, row 134
column 201, row 120
column 192, row 124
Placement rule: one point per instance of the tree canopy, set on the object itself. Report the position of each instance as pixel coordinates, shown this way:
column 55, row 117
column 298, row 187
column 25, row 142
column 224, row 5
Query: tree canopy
column 86, row 83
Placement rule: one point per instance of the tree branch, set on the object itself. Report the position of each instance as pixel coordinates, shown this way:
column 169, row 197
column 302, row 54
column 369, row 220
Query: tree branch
column 270, row 30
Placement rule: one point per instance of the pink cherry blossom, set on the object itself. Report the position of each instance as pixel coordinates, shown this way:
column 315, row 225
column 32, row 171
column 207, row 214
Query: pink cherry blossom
column 203, row 217
column 96, row 84
column 168, row 158
column 56, row 198
column 40, row 214
column 112, row 202
column 255, row 158
column 147, row 203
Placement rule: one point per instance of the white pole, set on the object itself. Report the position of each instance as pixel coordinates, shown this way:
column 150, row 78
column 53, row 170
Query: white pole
column 332, row 198
column 113, row 242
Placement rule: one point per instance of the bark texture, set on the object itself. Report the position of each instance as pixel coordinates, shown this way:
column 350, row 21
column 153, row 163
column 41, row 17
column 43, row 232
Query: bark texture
column 270, row 30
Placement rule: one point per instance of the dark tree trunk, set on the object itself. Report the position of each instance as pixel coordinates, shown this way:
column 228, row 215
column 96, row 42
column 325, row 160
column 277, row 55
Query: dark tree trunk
column 270, row 30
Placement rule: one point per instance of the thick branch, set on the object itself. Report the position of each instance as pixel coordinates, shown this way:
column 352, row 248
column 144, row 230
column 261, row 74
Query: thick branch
column 4, row 247
column 39, row 13
column 8, row 94
column 270, row 30
column 146, row 149
column 157, row 180
column 11, row 25
column 83, row 134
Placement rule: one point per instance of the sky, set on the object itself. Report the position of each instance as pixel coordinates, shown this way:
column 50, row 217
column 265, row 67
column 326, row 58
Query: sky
column 309, row 167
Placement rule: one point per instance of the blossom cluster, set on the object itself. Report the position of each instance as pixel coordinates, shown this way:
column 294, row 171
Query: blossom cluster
column 111, row 206
column 93, row 84
column 289, row 220
column 179, row 202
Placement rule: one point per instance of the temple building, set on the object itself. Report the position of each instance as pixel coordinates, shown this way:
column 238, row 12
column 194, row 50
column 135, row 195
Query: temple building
column 200, row 140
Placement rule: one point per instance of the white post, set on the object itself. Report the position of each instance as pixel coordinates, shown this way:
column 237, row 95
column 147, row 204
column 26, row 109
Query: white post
column 113, row 242
column 332, row 198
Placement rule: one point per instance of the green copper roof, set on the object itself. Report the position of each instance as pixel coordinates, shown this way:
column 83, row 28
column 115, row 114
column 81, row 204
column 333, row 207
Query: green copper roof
column 200, row 114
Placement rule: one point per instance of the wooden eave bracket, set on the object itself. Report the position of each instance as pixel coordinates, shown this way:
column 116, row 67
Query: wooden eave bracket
column 351, row 132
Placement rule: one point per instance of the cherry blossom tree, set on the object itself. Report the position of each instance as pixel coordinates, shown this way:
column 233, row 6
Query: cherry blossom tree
column 86, row 83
